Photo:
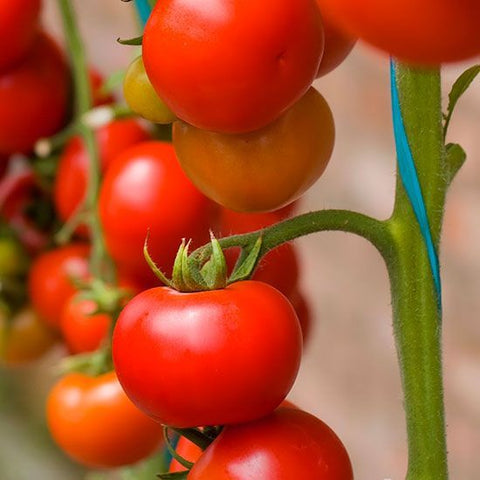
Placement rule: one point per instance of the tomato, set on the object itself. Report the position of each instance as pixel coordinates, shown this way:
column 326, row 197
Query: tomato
column 145, row 190
column 24, row 338
column 33, row 97
column 96, row 84
column 94, row 422
column 426, row 32
column 262, row 170
column 141, row 96
column 304, row 314
column 82, row 328
column 187, row 450
column 208, row 358
column 338, row 45
column 50, row 280
column 279, row 267
column 13, row 259
column 232, row 66
column 18, row 29
column 72, row 175
column 286, row 445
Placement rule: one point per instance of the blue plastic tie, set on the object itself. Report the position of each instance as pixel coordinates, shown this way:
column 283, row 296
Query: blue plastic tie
column 144, row 10
column 408, row 174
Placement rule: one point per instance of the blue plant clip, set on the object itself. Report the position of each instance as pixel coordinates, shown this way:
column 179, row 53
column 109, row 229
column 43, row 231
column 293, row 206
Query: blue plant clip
column 408, row 174
column 144, row 10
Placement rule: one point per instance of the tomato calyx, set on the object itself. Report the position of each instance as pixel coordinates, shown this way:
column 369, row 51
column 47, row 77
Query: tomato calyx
column 194, row 274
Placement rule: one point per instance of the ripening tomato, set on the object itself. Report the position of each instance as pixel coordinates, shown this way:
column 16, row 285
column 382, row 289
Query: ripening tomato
column 24, row 338
column 33, row 97
column 232, row 66
column 338, row 45
column 279, row 267
column 18, row 29
column 187, row 450
column 262, row 170
column 94, row 422
column 50, row 282
column 426, row 32
column 141, row 96
column 145, row 190
column 208, row 358
column 286, row 445
column 72, row 175
column 82, row 329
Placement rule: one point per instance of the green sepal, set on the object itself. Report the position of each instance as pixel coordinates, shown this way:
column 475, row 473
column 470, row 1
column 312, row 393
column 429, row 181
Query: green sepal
column 136, row 41
column 245, row 267
column 158, row 273
column 456, row 157
column 173, row 475
column 182, row 461
column 214, row 271
column 93, row 363
column 195, row 435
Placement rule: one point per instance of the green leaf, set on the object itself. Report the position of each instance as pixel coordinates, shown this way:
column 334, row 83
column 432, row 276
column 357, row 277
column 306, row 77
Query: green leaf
column 456, row 157
column 131, row 41
column 458, row 89
column 244, row 270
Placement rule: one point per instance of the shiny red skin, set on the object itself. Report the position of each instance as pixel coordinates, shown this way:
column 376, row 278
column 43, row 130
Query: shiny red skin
column 304, row 313
column 279, row 267
column 427, row 32
column 94, row 422
column 82, row 329
column 49, row 281
column 18, row 29
column 208, row 358
column 187, row 450
column 232, row 66
column 34, row 97
column 289, row 444
column 71, row 180
column 338, row 46
column 145, row 190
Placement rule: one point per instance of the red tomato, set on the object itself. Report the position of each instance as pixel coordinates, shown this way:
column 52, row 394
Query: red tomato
column 82, row 329
column 279, row 267
column 187, row 450
column 302, row 308
column 50, row 280
column 208, row 358
column 96, row 84
column 338, row 45
column 72, row 175
column 18, row 29
column 94, row 422
column 262, row 170
column 423, row 32
column 146, row 190
column 232, row 66
column 33, row 97
column 289, row 444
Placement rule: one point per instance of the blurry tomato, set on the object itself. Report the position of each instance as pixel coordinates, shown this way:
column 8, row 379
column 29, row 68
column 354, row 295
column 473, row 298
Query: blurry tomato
column 33, row 97
column 96, row 84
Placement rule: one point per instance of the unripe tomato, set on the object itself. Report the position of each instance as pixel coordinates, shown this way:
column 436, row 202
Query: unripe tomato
column 425, row 32
column 24, row 338
column 208, row 358
column 71, row 179
column 82, row 329
column 232, row 66
column 13, row 258
column 141, row 96
column 50, row 280
column 262, row 170
column 145, row 190
column 18, row 29
column 33, row 97
column 288, row 444
column 94, row 422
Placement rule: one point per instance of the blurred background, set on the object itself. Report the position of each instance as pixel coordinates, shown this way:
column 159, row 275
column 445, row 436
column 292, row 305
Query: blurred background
column 349, row 376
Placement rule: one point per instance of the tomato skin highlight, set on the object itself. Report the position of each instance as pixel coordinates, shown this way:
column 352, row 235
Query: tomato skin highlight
column 18, row 30
column 286, row 445
column 94, row 422
column 263, row 170
column 146, row 185
column 49, row 280
column 37, row 89
column 232, row 66
column 208, row 358
column 427, row 32
column 71, row 179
